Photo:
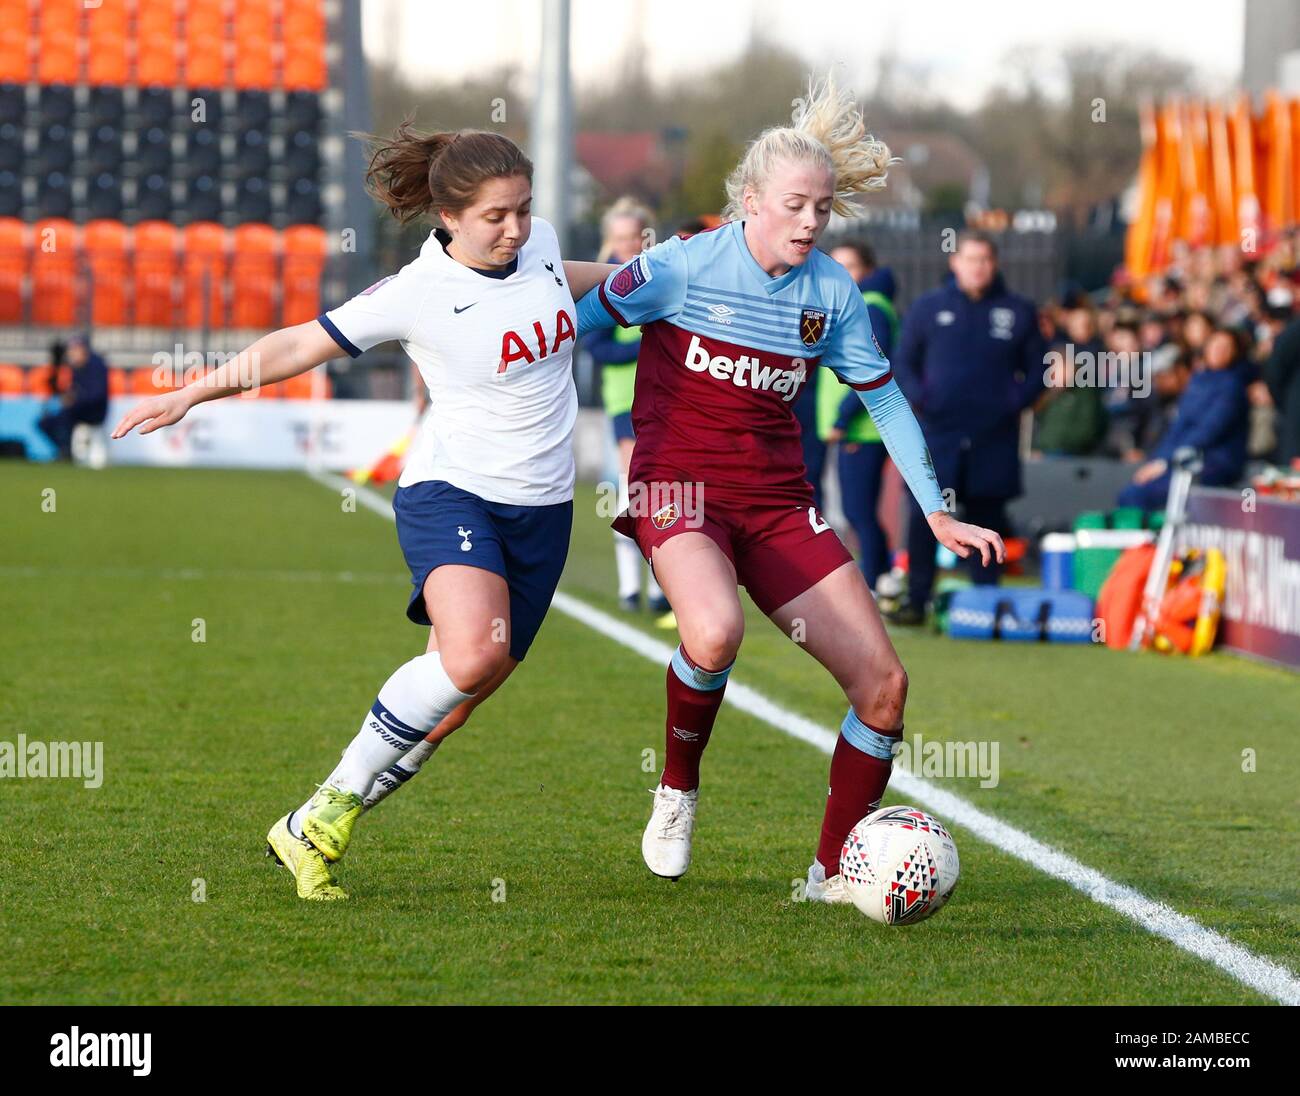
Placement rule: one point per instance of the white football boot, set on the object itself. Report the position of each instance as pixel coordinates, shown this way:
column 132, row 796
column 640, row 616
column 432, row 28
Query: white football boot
column 820, row 889
column 666, row 843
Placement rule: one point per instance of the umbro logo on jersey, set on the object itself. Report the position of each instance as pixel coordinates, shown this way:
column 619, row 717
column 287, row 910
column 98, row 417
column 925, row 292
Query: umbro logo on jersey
column 721, row 313
column 458, row 311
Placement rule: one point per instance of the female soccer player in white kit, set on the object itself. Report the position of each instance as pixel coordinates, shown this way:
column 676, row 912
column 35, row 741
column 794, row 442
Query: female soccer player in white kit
column 484, row 507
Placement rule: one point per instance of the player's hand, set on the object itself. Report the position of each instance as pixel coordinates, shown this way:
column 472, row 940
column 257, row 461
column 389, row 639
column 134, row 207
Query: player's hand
column 835, row 434
column 963, row 539
column 153, row 413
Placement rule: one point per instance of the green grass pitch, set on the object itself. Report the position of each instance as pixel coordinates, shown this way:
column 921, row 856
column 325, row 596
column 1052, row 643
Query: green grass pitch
column 1131, row 764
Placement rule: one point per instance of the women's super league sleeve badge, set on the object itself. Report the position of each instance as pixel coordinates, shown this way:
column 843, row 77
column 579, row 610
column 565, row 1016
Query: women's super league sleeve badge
column 631, row 277
column 812, row 322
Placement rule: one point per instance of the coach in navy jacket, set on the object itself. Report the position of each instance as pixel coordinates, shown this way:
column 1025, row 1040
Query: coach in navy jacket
column 970, row 359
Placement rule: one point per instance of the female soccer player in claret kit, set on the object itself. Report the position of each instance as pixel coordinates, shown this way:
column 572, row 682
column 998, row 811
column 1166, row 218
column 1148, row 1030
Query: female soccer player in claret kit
column 485, row 504
column 733, row 323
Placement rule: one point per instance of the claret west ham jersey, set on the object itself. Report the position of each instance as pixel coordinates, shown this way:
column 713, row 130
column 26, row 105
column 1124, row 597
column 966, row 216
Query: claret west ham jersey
column 496, row 354
column 725, row 351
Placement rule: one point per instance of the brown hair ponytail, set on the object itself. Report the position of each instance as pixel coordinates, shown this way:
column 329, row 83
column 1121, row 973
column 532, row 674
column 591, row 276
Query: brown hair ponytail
column 414, row 173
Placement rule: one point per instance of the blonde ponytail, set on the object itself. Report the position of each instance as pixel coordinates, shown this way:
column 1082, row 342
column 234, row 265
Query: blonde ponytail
column 828, row 129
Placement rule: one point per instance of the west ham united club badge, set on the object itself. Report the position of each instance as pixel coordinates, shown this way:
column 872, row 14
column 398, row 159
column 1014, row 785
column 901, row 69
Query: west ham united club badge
column 811, row 325
column 665, row 516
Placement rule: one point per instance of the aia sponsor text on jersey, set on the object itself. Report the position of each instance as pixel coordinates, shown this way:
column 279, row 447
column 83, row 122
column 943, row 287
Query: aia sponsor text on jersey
column 520, row 348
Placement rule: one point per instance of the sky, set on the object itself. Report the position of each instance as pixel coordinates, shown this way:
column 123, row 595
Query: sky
column 959, row 44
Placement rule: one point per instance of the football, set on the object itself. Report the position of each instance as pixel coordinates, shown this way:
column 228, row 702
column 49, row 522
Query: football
column 899, row 865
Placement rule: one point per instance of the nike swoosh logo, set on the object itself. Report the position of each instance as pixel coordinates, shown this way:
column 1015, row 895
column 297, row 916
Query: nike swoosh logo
column 458, row 311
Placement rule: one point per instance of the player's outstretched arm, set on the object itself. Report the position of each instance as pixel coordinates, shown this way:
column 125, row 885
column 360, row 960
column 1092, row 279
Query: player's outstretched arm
column 275, row 357
column 584, row 277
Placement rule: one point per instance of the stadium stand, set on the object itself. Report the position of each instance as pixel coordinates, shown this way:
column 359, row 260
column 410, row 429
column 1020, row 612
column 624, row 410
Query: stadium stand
column 143, row 158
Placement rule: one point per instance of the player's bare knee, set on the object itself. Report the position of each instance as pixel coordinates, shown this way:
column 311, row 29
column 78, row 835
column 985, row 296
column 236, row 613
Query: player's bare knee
column 472, row 666
column 714, row 642
column 891, row 694
column 895, row 686
column 880, row 695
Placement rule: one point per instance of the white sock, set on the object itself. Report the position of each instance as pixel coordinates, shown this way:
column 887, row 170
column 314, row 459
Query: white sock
column 628, row 557
column 396, row 775
column 412, row 702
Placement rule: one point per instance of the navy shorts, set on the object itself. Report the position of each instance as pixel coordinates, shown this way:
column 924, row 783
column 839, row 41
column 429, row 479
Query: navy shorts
column 438, row 523
column 623, row 427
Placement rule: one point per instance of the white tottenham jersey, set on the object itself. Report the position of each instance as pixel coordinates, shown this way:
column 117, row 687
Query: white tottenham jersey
column 496, row 355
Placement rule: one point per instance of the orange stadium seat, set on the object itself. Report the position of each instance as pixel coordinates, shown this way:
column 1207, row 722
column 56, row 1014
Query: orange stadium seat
column 204, row 268
column 304, row 263
column 155, row 57
column 54, row 272
column 155, row 14
column 106, row 60
column 304, row 66
column 253, row 21
column 11, row 380
column 303, row 386
column 40, row 380
column 58, row 58
column 303, row 30
column 254, row 65
column 13, row 268
column 107, row 57
column 15, row 41
column 108, row 19
column 205, row 60
column 254, row 287
column 212, row 12
column 105, row 243
column 15, row 60
column 143, row 383
column 301, row 16
column 58, row 64
column 155, row 273
column 117, row 383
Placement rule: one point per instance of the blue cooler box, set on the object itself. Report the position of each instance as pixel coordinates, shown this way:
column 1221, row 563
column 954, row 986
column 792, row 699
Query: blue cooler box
column 1020, row 613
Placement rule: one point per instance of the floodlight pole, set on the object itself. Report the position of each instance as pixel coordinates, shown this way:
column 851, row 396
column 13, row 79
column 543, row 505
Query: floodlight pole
column 552, row 128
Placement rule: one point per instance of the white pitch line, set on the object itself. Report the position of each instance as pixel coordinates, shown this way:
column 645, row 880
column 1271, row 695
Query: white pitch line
column 1254, row 971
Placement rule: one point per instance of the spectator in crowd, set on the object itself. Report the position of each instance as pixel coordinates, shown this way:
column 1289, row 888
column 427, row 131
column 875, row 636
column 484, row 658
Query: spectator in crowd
column 1196, row 329
column 1071, row 419
column 970, row 359
column 623, row 237
column 85, row 401
column 1155, row 413
column 843, row 421
column 1283, row 376
column 1212, row 418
